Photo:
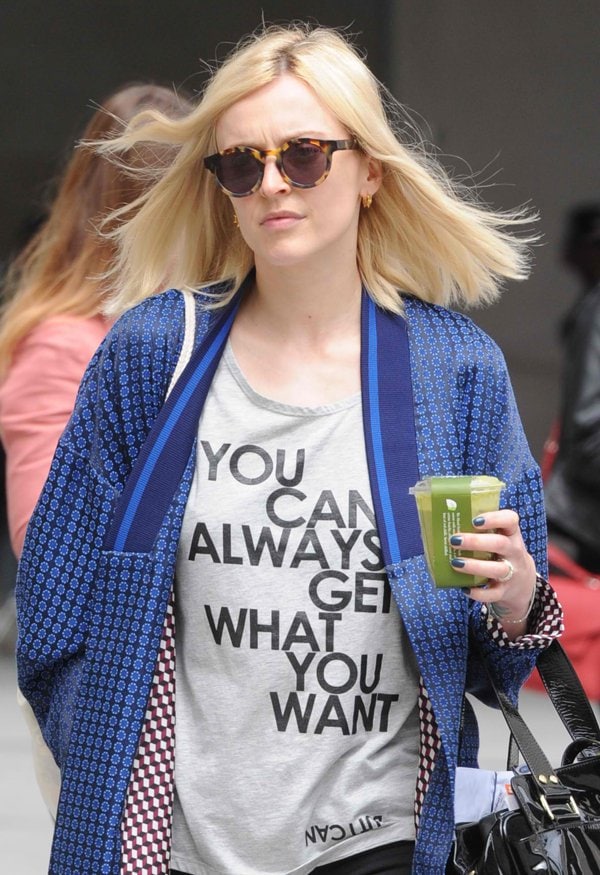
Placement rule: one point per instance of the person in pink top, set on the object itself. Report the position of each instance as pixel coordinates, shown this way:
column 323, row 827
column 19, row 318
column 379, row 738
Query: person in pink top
column 52, row 321
column 36, row 400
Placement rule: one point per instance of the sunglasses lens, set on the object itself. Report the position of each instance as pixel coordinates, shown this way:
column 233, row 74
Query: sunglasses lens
column 304, row 163
column 238, row 172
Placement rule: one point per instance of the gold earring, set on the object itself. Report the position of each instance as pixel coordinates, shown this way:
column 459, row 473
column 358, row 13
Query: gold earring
column 236, row 224
column 367, row 200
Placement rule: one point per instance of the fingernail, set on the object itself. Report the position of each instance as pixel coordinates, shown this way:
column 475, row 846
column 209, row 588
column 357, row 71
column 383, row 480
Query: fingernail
column 483, row 586
column 456, row 540
column 466, row 590
column 478, row 521
column 458, row 563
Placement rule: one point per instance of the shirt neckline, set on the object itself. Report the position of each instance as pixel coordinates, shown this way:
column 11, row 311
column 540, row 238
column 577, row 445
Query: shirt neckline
column 280, row 406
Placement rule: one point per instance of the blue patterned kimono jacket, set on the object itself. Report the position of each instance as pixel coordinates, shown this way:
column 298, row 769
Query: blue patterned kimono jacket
column 91, row 608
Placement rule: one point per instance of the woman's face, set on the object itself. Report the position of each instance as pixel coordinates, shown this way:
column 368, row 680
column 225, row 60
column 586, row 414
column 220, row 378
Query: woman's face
column 283, row 225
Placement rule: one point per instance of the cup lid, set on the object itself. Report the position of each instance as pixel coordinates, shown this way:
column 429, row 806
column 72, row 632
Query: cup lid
column 478, row 483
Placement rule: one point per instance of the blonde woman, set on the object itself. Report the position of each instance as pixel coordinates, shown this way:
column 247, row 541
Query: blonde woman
column 52, row 321
column 259, row 521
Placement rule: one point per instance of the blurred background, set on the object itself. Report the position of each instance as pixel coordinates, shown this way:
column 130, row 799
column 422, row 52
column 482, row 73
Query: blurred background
column 506, row 90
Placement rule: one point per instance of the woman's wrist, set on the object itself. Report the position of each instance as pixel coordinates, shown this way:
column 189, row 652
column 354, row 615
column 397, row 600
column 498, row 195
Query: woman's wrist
column 506, row 615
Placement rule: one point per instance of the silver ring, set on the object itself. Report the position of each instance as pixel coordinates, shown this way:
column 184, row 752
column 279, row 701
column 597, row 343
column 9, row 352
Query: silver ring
column 508, row 574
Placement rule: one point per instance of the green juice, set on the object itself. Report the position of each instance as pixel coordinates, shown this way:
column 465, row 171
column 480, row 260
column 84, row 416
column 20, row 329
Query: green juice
column 447, row 505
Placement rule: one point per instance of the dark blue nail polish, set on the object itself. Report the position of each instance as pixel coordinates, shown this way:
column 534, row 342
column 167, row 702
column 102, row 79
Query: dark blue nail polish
column 478, row 521
column 456, row 540
column 466, row 590
column 483, row 586
column 458, row 563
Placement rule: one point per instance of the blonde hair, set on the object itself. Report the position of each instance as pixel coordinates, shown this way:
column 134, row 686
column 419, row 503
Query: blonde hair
column 59, row 270
column 424, row 234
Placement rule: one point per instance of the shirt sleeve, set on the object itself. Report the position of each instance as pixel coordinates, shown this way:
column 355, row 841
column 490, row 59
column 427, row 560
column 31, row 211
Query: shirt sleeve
column 58, row 605
column 505, row 453
column 36, row 401
column 545, row 621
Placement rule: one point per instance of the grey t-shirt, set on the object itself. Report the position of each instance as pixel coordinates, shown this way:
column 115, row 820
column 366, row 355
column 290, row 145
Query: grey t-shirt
column 297, row 727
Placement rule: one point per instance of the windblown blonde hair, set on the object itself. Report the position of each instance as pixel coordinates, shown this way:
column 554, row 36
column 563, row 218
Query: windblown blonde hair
column 59, row 271
column 424, row 234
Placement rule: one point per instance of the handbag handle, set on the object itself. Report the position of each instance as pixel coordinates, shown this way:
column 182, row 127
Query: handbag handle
column 569, row 699
column 567, row 694
column 580, row 722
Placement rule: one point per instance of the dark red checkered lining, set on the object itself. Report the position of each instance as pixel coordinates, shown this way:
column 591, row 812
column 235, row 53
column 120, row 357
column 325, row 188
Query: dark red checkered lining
column 147, row 819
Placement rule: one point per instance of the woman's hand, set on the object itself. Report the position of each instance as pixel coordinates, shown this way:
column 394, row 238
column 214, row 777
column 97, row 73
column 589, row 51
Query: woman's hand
column 512, row 574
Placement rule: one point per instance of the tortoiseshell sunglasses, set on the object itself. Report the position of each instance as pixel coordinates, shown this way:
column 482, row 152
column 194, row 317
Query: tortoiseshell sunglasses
column 303, row 162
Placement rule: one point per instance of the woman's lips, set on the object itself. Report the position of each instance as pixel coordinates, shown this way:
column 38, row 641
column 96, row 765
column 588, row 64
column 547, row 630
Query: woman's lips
column 280, row 220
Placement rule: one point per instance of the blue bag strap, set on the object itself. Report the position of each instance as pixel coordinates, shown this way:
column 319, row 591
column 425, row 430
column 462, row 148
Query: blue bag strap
column 160, row 465
column 390, row 435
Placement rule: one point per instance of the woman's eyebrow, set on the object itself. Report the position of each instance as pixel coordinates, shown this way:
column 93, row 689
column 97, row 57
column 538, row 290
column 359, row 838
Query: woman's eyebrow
column 302, row 135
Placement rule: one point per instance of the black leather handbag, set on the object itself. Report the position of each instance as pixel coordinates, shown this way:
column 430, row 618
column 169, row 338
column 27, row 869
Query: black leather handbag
column 556, row 828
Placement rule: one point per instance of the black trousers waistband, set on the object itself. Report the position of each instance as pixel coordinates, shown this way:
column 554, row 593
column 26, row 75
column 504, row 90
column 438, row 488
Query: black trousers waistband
column 392, row 859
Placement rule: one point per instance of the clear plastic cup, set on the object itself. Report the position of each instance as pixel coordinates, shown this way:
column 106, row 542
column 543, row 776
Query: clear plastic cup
column 447, row 505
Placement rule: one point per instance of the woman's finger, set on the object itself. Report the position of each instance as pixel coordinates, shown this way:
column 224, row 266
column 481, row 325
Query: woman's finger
column 507, row 521
column 492, row 569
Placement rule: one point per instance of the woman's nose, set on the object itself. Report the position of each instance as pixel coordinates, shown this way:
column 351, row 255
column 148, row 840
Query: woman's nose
column 273, row 181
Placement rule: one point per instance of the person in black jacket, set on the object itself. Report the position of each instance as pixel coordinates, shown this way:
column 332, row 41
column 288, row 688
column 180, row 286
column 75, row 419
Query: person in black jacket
column 573, row 488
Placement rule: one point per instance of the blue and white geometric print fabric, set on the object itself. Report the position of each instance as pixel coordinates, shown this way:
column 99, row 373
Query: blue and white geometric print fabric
column 468, row 424
column 90, row 620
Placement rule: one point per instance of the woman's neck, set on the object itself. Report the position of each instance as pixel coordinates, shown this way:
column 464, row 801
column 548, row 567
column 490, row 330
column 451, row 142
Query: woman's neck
column 306, row 305
column 297, row 339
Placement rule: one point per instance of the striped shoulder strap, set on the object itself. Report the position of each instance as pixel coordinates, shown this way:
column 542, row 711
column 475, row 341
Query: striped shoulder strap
column 160, row 464
column 390, row 432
